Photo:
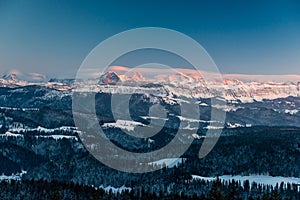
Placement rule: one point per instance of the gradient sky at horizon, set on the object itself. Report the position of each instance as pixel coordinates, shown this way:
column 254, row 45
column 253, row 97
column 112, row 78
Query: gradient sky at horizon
column 53, row 37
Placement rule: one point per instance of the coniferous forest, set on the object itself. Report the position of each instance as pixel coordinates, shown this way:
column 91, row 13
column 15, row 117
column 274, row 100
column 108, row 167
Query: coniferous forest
column 232, row 190
column 65, row 171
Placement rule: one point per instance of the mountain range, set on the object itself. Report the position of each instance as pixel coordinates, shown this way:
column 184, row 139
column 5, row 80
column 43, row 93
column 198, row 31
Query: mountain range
column 182, row 82
column 246, row 103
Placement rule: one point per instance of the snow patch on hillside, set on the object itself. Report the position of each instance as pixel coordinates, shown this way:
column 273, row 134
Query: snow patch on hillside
column 169, row 162
column 9, row 134
column 123, row 124
column 57, row 137
column 45, row 130
column 115, row 189
column 17, row 176
column 259, row 179
column 292, row 112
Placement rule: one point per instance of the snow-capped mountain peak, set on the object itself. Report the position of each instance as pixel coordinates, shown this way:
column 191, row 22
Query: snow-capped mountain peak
column 179, row 77
column 12, row 75
column 136, row 76
column 110, row 77
column 15, row 76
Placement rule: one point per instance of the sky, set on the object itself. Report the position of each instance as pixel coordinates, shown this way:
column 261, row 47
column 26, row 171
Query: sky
column 244, row 37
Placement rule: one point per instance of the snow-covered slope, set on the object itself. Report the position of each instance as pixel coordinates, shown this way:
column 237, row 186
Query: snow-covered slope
column 229, row 90
column 247, row 91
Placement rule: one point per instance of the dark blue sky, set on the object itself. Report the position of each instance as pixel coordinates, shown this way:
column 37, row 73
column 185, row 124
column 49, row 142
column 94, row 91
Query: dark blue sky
column 53, row 37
